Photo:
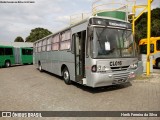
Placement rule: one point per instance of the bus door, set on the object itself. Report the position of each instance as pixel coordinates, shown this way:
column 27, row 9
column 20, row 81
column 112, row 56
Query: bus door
column 9, row 55
column 79, row 50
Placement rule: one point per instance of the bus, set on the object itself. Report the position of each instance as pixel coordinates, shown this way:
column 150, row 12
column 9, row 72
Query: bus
column 154, row 49
column 98, row 51
column 10, row 55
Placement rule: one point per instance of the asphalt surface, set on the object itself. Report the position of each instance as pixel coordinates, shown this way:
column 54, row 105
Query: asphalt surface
column 24, row 88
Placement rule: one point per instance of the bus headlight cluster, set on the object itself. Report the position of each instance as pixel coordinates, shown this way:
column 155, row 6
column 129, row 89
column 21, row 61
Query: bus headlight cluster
column 99, row 68
column 133, row 66
column 102, row 68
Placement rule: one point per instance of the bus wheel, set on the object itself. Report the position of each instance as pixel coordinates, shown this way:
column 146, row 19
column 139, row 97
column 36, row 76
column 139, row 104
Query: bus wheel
column 66, row 76
column 7, row 64
column 40, row 67
column 158, row 64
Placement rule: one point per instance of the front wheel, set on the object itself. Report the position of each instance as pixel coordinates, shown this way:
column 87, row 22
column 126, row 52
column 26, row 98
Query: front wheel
column 7, row 64
column 66, row 76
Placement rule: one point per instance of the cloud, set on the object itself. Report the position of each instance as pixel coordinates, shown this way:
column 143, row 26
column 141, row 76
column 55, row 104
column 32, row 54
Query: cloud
column 19, row 19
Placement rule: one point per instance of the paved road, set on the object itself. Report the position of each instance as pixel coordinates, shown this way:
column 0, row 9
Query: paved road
column 24, row 88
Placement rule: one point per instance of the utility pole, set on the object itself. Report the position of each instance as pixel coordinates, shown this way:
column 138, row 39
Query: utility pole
column 148, row 36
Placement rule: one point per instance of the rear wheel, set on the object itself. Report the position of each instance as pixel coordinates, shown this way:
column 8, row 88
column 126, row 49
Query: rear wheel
column 66, row 76
column 40, row 67
column 7, row 64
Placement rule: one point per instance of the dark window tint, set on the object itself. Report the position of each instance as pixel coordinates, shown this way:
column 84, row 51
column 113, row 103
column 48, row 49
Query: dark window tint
column 152, row 48
column 158, row 44
column 8, row 51
column 1, row 51
column 143, row 49
column 27, row 52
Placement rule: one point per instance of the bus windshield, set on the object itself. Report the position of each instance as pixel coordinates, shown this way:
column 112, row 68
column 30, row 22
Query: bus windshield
column 113, row 43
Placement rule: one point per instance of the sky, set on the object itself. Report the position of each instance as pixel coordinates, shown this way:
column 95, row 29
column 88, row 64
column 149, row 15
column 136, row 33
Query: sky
column 18, row 19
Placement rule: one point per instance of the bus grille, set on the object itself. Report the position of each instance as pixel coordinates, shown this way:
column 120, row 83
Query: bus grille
column 124, row 68
column 121, row 76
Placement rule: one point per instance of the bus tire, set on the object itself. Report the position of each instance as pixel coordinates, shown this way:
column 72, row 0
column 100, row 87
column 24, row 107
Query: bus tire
column 40, row 67
column 158, row 64
column 66, row 76
column 7, row 64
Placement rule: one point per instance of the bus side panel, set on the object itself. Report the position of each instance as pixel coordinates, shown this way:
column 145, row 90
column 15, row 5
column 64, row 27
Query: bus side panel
column 27, row 59
column 52, row 62
column 2, row 57
column 36, row 58
column 67, row 58
column 2, row 60
column 43, row 60
column 54, row 59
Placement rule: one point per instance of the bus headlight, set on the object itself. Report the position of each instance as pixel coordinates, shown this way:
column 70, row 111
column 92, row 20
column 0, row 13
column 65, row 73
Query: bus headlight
column 94, row 68
column 133, row 66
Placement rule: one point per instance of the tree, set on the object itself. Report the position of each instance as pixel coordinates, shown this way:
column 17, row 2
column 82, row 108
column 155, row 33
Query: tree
column 141, row 25
column 37, row 33
column 19, row 39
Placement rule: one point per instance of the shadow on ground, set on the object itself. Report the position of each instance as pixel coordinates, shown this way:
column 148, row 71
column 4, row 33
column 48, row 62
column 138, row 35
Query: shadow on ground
column 94, row 90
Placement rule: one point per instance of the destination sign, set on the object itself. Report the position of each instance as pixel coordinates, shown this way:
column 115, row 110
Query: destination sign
column 111, row 23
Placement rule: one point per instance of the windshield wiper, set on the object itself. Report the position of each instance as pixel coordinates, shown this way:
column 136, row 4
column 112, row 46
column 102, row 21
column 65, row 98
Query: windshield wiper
column 98, row 36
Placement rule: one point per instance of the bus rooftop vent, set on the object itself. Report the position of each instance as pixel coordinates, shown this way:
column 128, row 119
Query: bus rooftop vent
column 114, row 9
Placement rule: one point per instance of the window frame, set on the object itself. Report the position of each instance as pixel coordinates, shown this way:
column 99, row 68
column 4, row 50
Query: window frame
column 55, row 42
column 68, row 39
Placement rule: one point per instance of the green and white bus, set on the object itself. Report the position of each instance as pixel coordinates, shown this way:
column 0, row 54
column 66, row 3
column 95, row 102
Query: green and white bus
column 10, row 55
column 98, row 51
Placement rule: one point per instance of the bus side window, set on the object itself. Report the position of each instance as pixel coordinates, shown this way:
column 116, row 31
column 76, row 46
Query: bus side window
column 31, row 52
column 158, row 44
column 8, row 51
column 1, row 51
column 23, row 52
column 27, row 51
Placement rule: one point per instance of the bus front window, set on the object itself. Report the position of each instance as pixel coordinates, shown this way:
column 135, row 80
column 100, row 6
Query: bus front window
column 113, row 43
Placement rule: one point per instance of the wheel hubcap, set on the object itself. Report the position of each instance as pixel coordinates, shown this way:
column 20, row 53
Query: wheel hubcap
column 7, row 64
column 40, row 68
column 66, row 75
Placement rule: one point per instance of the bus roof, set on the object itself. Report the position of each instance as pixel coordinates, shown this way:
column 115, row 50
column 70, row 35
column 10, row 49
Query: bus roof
column 152, row 39
column 83, row 21
column 16, row 44
column 3, row 46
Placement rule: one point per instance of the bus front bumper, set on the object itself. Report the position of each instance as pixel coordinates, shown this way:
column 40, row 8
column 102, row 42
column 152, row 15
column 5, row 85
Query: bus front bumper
column 113, row 78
